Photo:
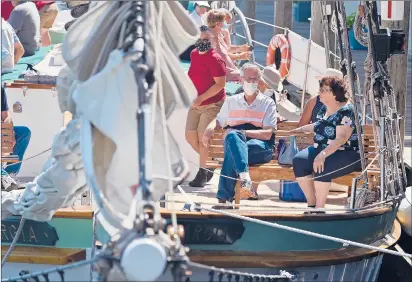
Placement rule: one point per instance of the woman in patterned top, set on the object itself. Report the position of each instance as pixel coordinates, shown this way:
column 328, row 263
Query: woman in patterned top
column 335, row 151
column 314, row 104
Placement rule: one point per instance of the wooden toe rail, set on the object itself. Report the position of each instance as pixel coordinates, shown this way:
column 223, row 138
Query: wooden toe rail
column 44, row 255
column 273, row 170
column 7, row 144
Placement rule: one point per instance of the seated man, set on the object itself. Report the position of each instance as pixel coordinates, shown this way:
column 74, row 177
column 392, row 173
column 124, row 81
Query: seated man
column 25, row 20
column 250, row 122
column 11, row 48
column 22, row 134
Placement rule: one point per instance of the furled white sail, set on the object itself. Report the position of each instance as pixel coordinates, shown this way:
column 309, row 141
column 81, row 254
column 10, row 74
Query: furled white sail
column 99, row 86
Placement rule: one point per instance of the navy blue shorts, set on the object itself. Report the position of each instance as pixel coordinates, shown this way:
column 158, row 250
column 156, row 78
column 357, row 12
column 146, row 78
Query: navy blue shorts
column 343, row 161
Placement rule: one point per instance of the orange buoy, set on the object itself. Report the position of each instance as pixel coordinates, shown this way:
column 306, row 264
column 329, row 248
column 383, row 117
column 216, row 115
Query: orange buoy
column 279, row 44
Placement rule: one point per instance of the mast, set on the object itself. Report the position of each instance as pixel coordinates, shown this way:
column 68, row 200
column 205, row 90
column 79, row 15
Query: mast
column 351, row 78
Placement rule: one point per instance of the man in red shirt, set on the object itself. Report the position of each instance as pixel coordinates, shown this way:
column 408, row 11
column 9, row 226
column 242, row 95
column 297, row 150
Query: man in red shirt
column 208, row 73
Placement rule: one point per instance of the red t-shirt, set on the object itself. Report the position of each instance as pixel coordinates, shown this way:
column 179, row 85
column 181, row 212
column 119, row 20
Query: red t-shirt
column 203, row 68
column 41, row 4
column 6, row 9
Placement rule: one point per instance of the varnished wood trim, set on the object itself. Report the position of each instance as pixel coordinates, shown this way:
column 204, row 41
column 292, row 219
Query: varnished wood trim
column 279, row 216
column 30, row 85
column 86, row 212
column 75, row 212
column 44, row 255
column 232, row 259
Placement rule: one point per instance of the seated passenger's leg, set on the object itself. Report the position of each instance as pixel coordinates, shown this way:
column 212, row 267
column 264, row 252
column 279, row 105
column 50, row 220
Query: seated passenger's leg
column 303, row 170
column 235, row 162
column 336, row 165
column 23, row 135
column 259, row 151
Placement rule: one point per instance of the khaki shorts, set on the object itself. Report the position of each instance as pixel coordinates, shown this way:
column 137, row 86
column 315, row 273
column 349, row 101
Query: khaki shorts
column 199, row 118
column 47, row 15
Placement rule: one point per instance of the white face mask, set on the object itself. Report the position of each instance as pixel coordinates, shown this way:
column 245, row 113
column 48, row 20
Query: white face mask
column 250, row 88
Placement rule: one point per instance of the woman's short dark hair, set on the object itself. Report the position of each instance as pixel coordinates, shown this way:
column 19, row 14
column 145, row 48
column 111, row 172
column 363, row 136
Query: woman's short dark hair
column 337, row 86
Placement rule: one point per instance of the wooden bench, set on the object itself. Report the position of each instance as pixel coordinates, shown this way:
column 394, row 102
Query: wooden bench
column 273, row 170
column 7, row 144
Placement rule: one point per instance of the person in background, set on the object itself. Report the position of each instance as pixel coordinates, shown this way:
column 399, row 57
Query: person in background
column 314, row 104
column 215, row 21
column 6, row 9
column 197, row 16
column 11, row 48
column 22, row 135
column 250, row 122
column 335, row 151
column 208, row 73
column 25, row 20
column 48, row 12
column 198, row 13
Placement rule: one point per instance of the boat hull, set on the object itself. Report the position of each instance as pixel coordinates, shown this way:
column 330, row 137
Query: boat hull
column 365, row 270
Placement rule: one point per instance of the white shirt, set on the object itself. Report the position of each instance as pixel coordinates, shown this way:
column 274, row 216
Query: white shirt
column 236, row 111
column 199, row 21
column 8, row 39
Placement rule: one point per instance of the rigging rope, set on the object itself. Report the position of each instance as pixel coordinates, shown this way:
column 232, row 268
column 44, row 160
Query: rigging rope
column 14, row 242
column 300, row 231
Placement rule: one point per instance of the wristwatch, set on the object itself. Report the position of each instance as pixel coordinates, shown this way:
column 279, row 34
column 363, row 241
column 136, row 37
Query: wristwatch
column 244, row 132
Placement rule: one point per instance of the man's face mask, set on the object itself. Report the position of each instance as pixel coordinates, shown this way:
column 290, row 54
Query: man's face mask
column 203, row 45
column 250, row 88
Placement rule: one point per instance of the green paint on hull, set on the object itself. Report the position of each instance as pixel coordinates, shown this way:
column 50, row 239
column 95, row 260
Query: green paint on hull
column 72, row 233
column 77, row 233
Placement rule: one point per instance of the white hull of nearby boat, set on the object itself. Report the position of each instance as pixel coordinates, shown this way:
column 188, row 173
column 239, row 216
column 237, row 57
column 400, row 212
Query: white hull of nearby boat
column 40, row 112
column 405, row 212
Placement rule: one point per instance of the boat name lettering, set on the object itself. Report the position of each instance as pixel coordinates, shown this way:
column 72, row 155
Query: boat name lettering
column 219, row 231
column 33, row 233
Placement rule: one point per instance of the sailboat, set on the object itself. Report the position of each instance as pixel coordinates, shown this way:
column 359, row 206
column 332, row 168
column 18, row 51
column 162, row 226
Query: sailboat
column 121, row 63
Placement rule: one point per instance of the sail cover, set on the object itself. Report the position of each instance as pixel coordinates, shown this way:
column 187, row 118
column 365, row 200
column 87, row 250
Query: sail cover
column 106, row 93
column 100, row 87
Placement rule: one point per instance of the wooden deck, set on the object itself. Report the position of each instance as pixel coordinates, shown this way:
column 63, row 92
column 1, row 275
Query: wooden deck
column 269, row 201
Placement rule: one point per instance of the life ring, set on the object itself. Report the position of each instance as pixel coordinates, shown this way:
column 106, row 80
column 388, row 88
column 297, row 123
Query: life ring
column 281, row 61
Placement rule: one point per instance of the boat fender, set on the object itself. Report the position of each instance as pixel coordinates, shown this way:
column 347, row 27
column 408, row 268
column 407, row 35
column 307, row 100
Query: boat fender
column 192, row 207
column 405, row 212
column 279, row 54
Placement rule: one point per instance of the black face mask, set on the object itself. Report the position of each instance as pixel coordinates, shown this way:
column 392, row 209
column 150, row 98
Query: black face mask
column 203, row 45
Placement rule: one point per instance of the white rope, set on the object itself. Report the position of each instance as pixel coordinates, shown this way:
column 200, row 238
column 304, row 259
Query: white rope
column 162, row 109
column 14, row 242
column 300, row 231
